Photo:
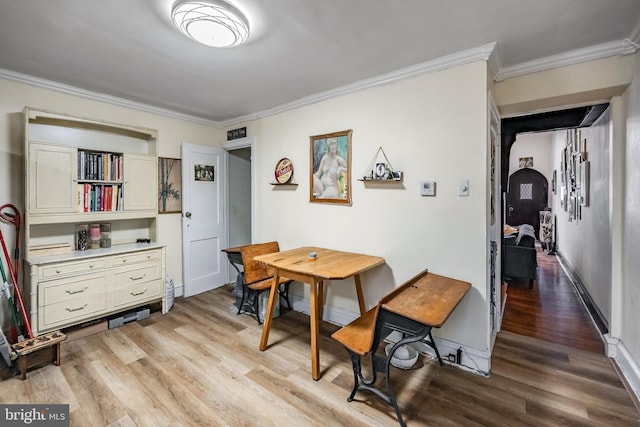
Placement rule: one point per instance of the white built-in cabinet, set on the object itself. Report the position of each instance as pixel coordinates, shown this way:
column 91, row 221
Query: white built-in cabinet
column 67, row 287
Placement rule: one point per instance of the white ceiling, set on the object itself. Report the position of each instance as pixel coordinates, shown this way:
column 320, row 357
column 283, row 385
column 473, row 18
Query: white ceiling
column 129, row 51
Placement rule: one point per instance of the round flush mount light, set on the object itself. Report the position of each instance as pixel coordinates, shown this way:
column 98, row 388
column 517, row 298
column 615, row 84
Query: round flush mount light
column 211, row 22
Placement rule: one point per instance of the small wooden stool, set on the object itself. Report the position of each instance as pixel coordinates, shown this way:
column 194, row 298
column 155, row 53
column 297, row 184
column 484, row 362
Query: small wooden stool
column 38, row 351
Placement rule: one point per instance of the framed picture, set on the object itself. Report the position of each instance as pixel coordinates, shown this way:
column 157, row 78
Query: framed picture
column 526, row 162
column 584, row 183
column 204, row 173
column 169, row 185
column 330, row 158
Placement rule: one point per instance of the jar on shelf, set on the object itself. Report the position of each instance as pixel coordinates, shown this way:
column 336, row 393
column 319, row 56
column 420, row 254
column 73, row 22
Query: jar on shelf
column 82, row 237
column 94, row 236
column 105, row 235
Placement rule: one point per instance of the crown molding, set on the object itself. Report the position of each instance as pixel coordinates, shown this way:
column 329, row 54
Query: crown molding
column 95, row 96
column 634, row 34
column 494, row 61
column 481, row 53
column 577, row 56
column 633, row 39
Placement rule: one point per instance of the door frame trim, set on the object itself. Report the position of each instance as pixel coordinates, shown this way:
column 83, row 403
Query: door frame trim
column 247, row 142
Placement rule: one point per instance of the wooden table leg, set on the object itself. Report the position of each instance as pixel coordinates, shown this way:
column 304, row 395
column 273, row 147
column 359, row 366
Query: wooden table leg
column 320, row 299
column 363, row 309
column 315, row 350
column 266, row 327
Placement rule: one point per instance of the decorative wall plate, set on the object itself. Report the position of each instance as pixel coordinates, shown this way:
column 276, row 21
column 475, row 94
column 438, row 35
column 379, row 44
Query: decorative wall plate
column 284, row 171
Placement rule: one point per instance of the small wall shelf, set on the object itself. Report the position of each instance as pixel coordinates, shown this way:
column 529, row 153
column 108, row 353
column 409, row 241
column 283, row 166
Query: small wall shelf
column 380, row 169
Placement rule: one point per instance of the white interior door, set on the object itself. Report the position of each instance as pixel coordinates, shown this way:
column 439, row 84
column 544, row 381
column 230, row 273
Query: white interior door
column 203, row 222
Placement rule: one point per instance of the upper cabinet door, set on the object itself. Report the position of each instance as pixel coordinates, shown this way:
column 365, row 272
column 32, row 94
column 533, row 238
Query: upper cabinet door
column 140, row 183
column 52, row 179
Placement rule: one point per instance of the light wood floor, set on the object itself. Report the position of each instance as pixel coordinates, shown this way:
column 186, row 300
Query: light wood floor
column 200, row 365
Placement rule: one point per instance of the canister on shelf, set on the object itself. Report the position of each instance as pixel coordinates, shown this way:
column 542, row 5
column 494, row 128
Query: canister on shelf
column 94, row 236
column 82, row 237
column 105, row 235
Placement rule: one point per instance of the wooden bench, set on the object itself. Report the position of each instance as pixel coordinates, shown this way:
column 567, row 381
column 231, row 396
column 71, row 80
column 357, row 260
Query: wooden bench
column 38, row 351
column 413, row 309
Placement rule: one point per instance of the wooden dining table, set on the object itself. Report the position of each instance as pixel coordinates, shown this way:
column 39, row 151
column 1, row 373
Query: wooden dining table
column 329, row 264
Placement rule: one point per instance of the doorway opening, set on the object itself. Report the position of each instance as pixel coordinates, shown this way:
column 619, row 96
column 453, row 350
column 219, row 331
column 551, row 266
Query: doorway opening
column 240, row 194
column 529, row 300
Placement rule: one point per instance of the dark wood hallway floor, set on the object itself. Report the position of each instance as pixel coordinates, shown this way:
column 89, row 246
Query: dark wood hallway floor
column 552, row 310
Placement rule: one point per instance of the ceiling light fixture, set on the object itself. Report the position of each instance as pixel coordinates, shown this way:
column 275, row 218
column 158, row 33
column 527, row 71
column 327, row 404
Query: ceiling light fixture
column 211, row 22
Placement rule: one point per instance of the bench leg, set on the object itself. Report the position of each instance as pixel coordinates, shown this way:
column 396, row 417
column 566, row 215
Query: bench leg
column 431, row 343
column 284, row 293
column 357, row 372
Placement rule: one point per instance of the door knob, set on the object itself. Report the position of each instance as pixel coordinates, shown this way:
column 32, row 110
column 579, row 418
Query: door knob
column 188, row 214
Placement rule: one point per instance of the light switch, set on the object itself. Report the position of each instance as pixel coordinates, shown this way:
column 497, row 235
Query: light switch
column 463, row 187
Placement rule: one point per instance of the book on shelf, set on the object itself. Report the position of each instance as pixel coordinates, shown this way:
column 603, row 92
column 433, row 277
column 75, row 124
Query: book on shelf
column 114, row 198
column 99, row 197
column 87, row 197
column 80, row 197
column 99, row 166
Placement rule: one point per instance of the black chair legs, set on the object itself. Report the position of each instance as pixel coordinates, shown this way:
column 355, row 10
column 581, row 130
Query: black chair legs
column 284, row 294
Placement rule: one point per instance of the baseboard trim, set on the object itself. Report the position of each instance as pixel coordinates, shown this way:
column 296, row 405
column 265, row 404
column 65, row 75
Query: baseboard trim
column 337, row 316
column 623, row 362
column 178, row 290
column 472, row 360
column 627, row 368
column 598, row 319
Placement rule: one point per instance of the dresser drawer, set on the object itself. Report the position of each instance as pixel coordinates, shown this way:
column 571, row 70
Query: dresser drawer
column 62, row 290
column 136, row 293
column 51, row 271
column 71, row 311
column 132, row 258
column 137, row 274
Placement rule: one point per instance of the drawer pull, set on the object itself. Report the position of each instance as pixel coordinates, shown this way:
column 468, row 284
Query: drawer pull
column 139, row 277
column 77, row 308
column 124, row 260
column 77, row 291
column 138, row 293
column 58, row 271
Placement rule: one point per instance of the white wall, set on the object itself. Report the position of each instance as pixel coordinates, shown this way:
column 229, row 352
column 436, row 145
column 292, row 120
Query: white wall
column 538, row 146
column 580, row 84
column 431, row 127
column 630, row 333
column 586, row 243
column 171, row 134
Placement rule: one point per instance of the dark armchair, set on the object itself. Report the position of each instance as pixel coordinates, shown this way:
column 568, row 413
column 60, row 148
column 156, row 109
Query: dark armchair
column 519, row 255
